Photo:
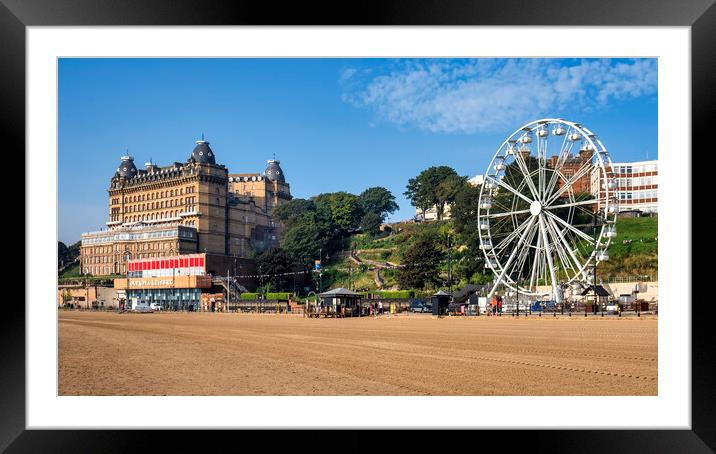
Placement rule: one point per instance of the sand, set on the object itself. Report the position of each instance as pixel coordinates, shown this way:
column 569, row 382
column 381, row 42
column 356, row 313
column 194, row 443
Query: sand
column 240, row 354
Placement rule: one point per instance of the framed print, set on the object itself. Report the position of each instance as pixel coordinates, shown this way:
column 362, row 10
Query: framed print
column 434, row 216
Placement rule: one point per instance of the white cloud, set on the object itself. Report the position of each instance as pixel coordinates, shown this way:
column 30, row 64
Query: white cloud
column 466, row 96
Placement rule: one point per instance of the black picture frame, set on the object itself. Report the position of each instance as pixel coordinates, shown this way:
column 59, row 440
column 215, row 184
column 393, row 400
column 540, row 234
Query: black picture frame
column 16, row 15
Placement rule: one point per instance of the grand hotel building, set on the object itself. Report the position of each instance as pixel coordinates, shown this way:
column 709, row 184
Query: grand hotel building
column 185, row 208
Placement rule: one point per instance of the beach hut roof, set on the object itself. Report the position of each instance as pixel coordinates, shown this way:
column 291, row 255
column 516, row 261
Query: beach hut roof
column 338, row 292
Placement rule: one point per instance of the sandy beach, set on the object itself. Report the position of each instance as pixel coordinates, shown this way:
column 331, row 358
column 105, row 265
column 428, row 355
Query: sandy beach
column 106, row 353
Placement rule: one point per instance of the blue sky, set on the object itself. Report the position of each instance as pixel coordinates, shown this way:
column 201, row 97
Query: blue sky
column 335, row 124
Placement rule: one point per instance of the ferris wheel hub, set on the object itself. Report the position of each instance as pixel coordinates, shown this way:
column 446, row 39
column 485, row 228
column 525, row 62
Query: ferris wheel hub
column 535, row 208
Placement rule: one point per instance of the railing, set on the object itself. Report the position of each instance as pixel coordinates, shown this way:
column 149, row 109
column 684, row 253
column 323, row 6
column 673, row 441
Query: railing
column 635, row 278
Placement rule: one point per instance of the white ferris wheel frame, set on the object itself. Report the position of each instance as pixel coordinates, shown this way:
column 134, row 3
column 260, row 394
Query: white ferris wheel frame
column 544, row 232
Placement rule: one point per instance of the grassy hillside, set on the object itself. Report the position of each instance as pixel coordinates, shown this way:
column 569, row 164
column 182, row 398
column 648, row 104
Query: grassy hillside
column 341, row 271
column 73, row 271
column 633, row 252
column 635, row 249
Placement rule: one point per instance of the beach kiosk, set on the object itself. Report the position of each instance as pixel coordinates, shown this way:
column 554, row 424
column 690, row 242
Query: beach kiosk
column 602, row 294
column 440, row 301
column 339, row 302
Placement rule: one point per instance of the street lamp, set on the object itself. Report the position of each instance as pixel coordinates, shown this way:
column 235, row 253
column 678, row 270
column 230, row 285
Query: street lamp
column 517, row 289
column 449, row 245
column 127, row 257
column 261, row 284
column 173, row 299
column 594, row 268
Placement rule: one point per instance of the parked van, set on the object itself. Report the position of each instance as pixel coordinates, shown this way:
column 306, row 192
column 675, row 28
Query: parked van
column 142, row 307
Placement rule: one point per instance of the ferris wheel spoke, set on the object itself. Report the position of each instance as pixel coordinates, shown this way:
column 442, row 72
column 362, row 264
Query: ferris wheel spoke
column 506, row 213
column 565, row 151
column 585, row 211
column 542, row 161
column 512, row 257
column 562, row 250
column 581, row 172
column 524, row 253
column 548, row 255
column 566, row 246
column 498, row 225
column 575, row 230
column 535, row 262
column 522, row 165
column 511, row 236
column 574, row 204
column 501, row 206
column 556, row 246
column 513, row 190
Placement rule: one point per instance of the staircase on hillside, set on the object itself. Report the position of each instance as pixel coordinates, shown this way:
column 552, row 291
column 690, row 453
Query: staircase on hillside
column 231, row 287
column 66, row 266
column 378, row 278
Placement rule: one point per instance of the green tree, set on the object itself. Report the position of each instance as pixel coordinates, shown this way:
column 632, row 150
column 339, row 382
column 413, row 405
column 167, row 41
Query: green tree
column 67, row 254
column 344, row 208
column 288, row 213
column 276, row 263
column 425, row 191
column 61, row 253
column 421, row 261
column 304, row 240
column 371, row 223
column 469, row 260
column 418, row 194
column 447, row 191
column 378, row 200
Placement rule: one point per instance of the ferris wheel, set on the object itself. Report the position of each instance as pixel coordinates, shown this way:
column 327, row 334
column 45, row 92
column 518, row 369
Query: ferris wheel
column 547, row 209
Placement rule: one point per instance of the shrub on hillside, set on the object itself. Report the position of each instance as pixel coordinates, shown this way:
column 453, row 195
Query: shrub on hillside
column 278, row 295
